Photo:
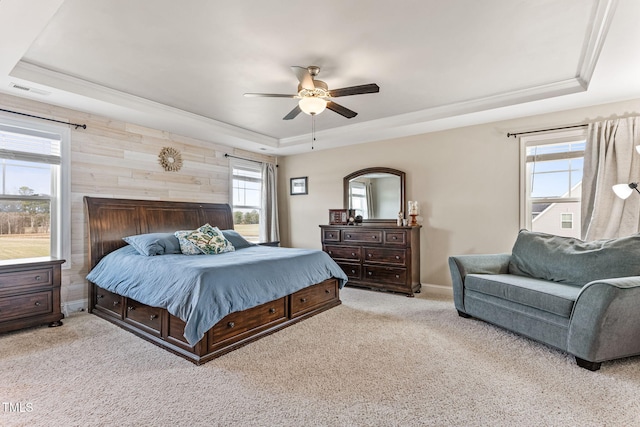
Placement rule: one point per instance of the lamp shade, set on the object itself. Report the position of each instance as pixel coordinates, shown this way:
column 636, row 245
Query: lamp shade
column 622, row 190
column 312, row 105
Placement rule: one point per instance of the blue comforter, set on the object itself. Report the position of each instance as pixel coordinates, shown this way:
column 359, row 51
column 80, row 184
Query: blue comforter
column 202, row 289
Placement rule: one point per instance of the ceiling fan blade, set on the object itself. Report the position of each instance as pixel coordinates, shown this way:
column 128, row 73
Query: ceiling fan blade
column 355, row 90
column 305, row 79
column 269, row 95
column 293, row 113
column 343, row 111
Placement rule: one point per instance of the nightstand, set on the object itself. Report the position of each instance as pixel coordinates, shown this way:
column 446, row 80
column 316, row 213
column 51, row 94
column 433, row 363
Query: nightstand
column 30, row 293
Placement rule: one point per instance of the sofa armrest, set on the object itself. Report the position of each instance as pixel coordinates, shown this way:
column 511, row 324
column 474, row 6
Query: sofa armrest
column 461, row 265
column 605, row 322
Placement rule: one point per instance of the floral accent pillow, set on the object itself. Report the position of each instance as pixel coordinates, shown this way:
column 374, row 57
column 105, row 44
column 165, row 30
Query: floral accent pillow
column 207, row 239
column 186, row 246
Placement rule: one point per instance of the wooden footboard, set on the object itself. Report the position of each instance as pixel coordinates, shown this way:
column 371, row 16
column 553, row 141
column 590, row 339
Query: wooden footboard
column 156, row 325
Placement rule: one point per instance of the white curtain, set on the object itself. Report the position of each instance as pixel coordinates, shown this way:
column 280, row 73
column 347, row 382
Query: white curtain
column 610, row 158
column 269, row 229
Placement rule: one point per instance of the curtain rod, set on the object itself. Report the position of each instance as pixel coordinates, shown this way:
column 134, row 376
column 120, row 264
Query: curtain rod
column 243, row 158
column 44, row 118
column 515, row 134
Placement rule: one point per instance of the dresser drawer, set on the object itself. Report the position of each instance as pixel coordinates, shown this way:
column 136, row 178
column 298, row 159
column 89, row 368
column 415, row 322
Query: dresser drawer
column 308, row 298
column 343, row 252
column 351, row 270
column 362, row 236
column 235, row 324
column 395, row 237
column 28, row 305
column 27, row 279
column 385, row 255
column 145, row 317
column 392, row 275
column 108, row 301
column 331, row 235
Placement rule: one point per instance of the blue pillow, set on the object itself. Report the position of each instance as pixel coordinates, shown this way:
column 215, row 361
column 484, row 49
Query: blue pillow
column 236, row 239
column 154, row 243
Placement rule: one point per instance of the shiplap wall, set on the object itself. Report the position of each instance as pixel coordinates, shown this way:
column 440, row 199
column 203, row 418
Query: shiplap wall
column 117, row 159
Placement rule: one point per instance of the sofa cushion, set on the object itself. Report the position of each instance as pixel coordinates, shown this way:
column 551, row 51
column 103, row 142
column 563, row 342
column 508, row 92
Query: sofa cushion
column 556, row 298
column 570, row 260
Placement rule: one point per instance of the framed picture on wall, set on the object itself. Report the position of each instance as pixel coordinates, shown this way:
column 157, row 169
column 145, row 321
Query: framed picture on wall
column 298, row 186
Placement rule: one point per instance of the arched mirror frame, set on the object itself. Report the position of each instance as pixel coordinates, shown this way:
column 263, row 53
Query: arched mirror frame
column 366, row 171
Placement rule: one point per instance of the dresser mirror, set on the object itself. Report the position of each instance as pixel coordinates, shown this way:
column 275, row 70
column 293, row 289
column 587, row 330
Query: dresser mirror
column 377, row 194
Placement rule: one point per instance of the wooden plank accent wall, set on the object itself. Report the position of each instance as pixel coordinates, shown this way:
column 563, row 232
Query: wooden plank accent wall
column 116, row 159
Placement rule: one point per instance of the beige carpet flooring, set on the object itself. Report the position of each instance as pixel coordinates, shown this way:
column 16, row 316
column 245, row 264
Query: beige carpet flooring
column 377, row 360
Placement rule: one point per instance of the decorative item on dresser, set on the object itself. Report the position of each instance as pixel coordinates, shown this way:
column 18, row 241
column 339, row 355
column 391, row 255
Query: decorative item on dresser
column 384, row 257
column 29, row 293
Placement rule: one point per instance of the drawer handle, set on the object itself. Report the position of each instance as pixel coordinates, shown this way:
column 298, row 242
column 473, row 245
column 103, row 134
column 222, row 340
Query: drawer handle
column 370, row 274
column 353, row 254
column 330, row 235
column 116, row 303
column 38, row 277
column 303, row 300
column 349, row 235
column 272, row 310
column 353, row 271
column 395, row 237
column 153, row 316
column 99, row 296
column 131, row 308
column 397, row 276
column 327, row 291
column 330, row 253
column 374, row 237
column 38, row 304
column 370, row 255
column 397, row 257
column 231, row 325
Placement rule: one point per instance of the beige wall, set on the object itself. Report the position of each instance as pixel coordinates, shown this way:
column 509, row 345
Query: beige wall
column 466, row 181
column 117, row 159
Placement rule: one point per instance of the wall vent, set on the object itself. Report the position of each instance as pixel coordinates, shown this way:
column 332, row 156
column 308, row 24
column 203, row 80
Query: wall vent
column 29, row 89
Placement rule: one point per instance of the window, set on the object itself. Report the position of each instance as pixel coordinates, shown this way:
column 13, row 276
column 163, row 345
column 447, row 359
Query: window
column 34, row 189
column 566, row 220
column 552, row 182
column 246, row 197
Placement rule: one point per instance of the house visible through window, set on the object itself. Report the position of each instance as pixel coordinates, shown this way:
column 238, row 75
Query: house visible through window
column 246, row 198
column 552, row 182
column 33, row 191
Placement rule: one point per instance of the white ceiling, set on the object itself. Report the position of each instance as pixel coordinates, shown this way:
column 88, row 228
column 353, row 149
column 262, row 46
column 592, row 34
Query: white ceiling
column 184, row 66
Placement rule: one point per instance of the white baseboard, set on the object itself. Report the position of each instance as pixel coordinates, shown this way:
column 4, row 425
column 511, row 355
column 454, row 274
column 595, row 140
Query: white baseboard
column 445, row 291
column 70, row 307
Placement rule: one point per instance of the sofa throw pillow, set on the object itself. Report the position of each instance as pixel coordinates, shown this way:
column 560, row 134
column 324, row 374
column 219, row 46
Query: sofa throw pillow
column 152, row 244
column 210, row 240
column 573, row 261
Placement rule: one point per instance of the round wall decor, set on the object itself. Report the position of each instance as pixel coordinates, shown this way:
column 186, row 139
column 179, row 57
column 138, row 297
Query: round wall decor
column 170, row 159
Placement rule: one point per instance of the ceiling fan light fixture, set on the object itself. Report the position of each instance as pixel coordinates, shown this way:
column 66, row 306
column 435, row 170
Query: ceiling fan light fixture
column 312, row 105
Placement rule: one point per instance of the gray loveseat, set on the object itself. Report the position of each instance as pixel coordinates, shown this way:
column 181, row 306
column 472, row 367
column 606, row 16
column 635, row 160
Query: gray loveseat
column 580, row 297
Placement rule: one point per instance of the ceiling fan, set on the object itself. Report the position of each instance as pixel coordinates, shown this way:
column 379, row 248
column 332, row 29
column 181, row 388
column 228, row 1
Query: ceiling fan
column 315, row 96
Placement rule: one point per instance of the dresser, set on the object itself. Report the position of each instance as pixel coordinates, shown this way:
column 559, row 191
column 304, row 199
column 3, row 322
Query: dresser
column 384, row 257
column 30, row 293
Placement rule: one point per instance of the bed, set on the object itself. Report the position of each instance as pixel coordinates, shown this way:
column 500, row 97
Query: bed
column 299, row 294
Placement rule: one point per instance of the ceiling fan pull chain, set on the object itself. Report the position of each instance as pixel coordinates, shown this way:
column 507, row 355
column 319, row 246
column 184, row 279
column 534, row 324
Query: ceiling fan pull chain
column 313, row 129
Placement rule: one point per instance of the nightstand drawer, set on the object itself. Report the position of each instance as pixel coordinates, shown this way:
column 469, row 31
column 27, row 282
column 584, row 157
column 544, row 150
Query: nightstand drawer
column 27, row 279
column 25, row 305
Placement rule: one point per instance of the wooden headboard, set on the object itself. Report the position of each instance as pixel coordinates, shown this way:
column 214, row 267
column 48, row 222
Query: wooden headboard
column 109, row 220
